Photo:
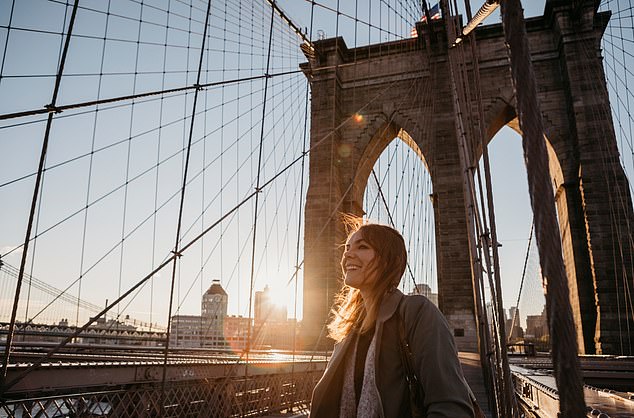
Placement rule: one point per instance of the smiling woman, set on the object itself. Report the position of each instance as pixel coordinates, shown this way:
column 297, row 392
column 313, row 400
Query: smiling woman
column 373, row 262
column 373, row 323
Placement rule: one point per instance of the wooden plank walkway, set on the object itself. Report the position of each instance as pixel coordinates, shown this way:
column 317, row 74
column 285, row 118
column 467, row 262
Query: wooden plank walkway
column 472, row 370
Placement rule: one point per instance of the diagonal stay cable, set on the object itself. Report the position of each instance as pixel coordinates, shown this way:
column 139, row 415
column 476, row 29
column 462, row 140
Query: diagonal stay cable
column 177, row 239
column 565, row 361
column 52, row 108
column 114, row 247
column 38, row 181
column 258, row 190
column 297, row 109
column 519, row 293
column 389, row 214
column 37, row 363
column 123, row 140
column 119, row 187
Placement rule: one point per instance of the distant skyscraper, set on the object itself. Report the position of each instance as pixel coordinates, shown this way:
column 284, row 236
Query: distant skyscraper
column 537, row 325
column 214, row 311
column 186, row 331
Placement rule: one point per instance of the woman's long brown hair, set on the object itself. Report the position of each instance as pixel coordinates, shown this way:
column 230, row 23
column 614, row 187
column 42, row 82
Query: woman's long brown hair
column 351, row 310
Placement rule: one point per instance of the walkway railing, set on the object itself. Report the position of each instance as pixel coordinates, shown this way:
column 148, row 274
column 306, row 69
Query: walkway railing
column 135, row 390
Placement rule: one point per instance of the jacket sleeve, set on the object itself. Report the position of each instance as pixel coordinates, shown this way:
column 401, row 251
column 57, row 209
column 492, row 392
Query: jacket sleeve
column 438, row 368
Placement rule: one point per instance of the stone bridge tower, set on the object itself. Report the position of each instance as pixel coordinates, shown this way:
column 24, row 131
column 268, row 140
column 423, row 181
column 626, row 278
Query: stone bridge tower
column 365, row 97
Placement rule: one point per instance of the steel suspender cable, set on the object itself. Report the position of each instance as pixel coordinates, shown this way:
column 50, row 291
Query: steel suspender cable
column 563, row 335
column 507, row 405
column 305, row 136
column 7, row 351
column 299, row 222
column 519, row 293
column 178, row 251
column 485, row 11
column 257, row 191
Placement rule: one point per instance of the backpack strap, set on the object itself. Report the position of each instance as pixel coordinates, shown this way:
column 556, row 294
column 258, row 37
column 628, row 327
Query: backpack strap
column 414, row 386
column 416, row 393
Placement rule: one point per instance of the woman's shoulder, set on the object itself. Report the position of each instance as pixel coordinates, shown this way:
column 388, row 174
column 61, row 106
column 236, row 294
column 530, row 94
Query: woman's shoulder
column 419, row 307
column 417, row 302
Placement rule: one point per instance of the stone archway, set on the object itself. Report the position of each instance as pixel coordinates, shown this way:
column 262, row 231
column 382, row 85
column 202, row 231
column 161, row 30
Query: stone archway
column 582, row 304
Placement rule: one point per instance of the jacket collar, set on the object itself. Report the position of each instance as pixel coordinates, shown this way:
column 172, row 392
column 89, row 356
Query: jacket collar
column 389, row 304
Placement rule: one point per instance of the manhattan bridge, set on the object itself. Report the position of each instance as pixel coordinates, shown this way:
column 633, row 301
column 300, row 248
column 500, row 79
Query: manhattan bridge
column 175, row 177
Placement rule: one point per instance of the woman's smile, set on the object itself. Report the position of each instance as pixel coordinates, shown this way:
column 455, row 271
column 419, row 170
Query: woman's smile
column 358, row 262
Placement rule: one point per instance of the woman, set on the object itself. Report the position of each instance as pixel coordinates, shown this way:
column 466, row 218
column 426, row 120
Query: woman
column 365, row 375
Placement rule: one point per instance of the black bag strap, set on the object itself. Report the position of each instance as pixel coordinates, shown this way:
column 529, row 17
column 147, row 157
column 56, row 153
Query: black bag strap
column 414, row 386
column 416, row 393
column 406, row 352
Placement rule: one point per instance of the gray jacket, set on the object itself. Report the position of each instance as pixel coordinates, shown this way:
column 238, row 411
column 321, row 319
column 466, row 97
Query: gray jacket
column 435, row 357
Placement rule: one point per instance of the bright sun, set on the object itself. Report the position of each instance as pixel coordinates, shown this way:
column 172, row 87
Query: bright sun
column 280, row 296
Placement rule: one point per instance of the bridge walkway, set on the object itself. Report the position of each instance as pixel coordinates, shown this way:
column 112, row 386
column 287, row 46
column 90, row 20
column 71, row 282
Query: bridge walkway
column 472, row 369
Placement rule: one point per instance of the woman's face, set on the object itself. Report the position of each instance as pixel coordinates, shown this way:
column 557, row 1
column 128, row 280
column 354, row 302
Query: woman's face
column 358, row 268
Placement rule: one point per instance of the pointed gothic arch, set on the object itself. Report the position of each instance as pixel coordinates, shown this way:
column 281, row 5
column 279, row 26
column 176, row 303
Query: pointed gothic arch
column 575, row 257
column 371, row 149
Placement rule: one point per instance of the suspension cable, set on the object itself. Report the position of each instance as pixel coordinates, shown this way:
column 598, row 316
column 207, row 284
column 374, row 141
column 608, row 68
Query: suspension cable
column 177, row 252
column 257, row 194
column 27, row 238
column 564, row 342
column 491, row 224
column 506, row 394
column 50, row 109
column 519, row 293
